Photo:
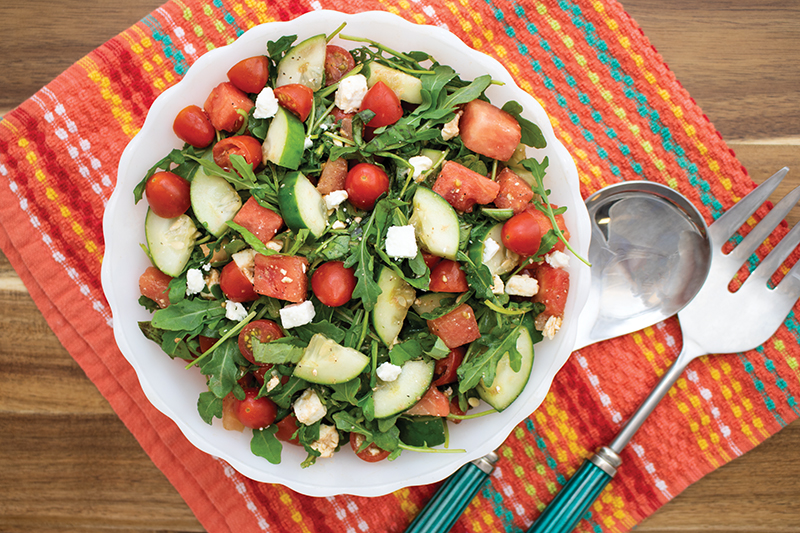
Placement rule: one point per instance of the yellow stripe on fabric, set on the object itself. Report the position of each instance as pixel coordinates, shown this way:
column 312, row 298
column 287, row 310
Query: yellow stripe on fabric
column 260, row 9
column 115, row 102
column 620, row 112
column 33, row 160
column 152, row 61
column 410, row 508
column 677, row 110
column 294, row 513
column 719, row 368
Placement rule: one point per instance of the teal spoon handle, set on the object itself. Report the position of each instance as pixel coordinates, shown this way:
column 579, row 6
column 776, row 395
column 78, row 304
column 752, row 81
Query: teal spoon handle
column 576, row 497
column 442, row 511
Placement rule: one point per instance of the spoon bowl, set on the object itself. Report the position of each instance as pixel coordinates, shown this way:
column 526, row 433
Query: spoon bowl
column 650, row 254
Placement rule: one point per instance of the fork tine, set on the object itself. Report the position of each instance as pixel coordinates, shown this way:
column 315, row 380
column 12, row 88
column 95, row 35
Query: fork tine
column 725, row 226
column 765, row 226
column 778, row 255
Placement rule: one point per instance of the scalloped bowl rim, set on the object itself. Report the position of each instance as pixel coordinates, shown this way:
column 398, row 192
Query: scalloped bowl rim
column 173, row 390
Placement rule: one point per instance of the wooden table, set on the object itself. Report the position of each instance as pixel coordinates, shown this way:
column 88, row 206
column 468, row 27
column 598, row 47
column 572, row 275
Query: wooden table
column 67, row 463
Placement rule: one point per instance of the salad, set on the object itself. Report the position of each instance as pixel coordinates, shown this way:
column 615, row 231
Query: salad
column 352, row 245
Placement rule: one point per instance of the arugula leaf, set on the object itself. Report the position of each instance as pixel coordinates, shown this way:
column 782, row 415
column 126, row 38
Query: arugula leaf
column 254, row 242
column 282, row 394
column 421, row 430
column 479, row 278
column 492, row 348
column 222, row 368
column 325, row 327
column 209, row 406
column 187, row 315
column 346, row 392
column 531, row 133
column 265, row 444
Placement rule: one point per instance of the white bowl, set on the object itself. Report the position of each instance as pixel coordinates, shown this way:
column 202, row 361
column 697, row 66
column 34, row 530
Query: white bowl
column 174, row 390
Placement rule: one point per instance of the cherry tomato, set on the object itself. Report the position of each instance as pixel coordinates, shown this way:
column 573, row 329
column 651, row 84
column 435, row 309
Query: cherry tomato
column 338, row 62
column 370, row 454
column 296, row 98
column 286, row 428
column 250, row 75
column 263, row 330
column 235, row 285
column 365, row 182
column 385, row 103
column 333, row 284
column 522, row 234
column 455, row 409
column 243, row 145
column 445, row 370
column 167, row 194
column 193, row 126
column 447, row 276
column 255, row 413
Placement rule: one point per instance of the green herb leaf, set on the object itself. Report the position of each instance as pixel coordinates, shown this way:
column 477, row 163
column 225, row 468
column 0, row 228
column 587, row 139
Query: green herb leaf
column 209, row 406
column 187, row 315
column 265, row 444
column 286, row 350
column 531, row 133
column 222, row 368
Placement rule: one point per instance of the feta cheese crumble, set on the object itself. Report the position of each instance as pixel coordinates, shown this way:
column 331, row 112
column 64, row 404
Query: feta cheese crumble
column 266, row 104
column 551, row 327
column 297, row 314
column 334, row 199
column 498, row 287
column 388, row 372
column 557, row 259
column 490, row 248
column 246, row 261
column 421, row 163
column 401, row 242
column 195, row 283
column 338, row 225
column 308, row 407
column 327, row 442
column 235, row 311
column 350, row 93
column 450, row 129
column 522, row 286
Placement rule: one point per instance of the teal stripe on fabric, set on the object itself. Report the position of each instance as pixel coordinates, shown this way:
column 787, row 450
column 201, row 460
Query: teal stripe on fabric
column 496, row 500
column 173, row 54
column 759, row 385
column 656, row 126
column 228, row 17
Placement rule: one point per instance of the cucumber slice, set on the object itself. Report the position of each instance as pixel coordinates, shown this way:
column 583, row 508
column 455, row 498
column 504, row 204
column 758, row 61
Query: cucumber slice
column 392, row 305
column 430, row 301
column 502, row 261
column 498, row 214
column 515, row 164
column 507, row 384
column 214, row 202
column 405, row 86
column 326, row 362
column 304, row 63
column 436, row 223
column 302, row 205
column 285, row 140
column 435, row 156
column 170, row 241
column 392, row 397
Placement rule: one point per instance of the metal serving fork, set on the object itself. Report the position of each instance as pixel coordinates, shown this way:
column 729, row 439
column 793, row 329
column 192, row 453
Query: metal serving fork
column 715, row 321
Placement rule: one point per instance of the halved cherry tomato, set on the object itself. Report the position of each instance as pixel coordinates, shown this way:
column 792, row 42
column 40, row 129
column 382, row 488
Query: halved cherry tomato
column 192, row 126
column 296, row 98
column 255, row 413
column 264, row 330
column 445, row 370
column 286, row 428
column 365, row 182
column 333, row 284
column 447, row 276
column 370, row 454
column 243, row 145
column 227, row 107
column 235, row 285
column 522, row 234
column 154, row 284
column 385, row 103
column 250, row 75
column 338, row 62
column 167, row 194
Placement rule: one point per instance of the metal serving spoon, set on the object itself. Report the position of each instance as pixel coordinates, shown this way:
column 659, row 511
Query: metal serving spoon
column 650, row 255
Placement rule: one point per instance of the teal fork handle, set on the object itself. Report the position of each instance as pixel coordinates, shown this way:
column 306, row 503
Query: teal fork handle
column 576, row 497
column 447, row 504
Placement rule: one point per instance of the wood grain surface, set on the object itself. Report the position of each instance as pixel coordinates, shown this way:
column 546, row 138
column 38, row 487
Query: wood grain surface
column 68, row 464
